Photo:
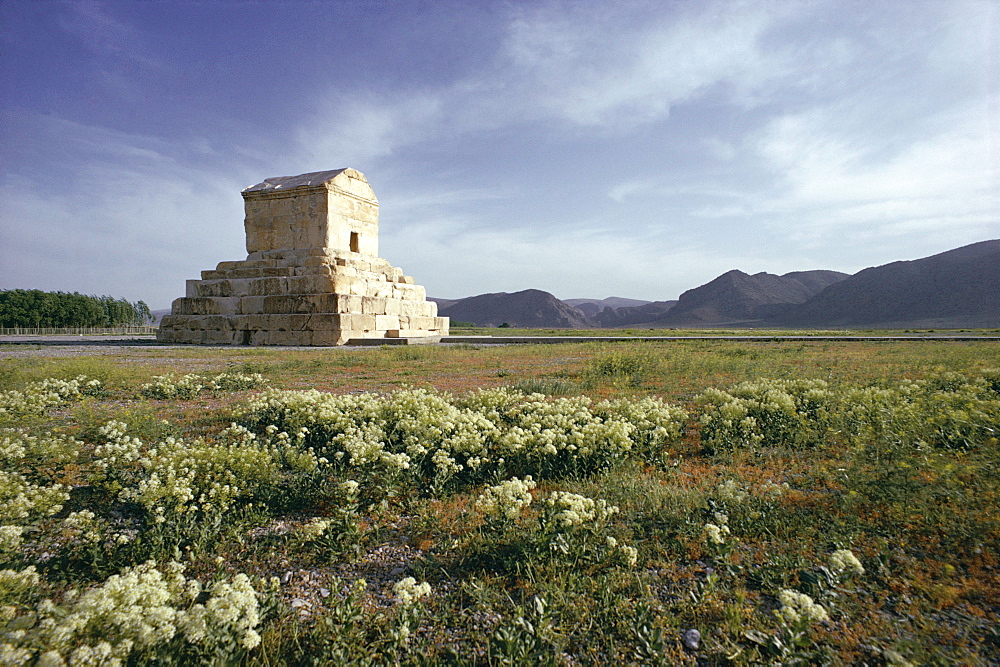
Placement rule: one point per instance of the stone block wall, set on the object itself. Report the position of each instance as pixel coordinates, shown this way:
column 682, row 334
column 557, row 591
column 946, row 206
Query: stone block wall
column 312, row 274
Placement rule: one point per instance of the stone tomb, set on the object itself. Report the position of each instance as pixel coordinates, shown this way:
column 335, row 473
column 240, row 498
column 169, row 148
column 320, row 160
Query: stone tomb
column 312, row 275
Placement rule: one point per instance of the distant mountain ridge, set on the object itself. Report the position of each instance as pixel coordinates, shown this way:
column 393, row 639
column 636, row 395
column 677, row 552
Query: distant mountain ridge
column 631, row 316
column 958, row 288
column 528, row 308
column 591, row 307
column 738, row 298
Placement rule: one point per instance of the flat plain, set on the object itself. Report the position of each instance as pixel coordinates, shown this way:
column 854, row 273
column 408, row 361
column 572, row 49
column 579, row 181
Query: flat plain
column 742, row 475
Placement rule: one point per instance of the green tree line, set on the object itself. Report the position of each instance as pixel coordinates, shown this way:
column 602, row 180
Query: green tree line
column 35, row 308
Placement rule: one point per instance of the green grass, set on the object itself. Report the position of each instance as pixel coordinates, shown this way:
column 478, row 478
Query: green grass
column 920, row 513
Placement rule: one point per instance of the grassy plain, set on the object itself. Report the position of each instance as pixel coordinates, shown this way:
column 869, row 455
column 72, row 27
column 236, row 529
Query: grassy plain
column 922, row 516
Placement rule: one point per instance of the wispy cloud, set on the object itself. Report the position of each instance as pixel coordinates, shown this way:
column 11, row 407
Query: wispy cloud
column 358, row 127
column 634, row 188
column 625, row 64
column 631, row 148
column 451, row 254
column 126, row 212
column 833, row 179
column 106, row 36
column 569, row 64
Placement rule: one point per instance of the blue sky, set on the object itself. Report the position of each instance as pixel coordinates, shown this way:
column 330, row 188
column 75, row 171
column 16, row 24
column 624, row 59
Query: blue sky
column 588, row 148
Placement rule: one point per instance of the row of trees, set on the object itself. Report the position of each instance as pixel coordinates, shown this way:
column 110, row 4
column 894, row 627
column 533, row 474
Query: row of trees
column 35, row 308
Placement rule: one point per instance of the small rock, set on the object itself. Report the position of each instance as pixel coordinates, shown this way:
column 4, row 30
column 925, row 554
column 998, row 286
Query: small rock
column 396, row 571
column 286, row 577
column 691, row 639
column 324, row 592
column 299, row 603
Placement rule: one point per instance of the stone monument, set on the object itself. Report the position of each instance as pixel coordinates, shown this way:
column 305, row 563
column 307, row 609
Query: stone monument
column 312, row 275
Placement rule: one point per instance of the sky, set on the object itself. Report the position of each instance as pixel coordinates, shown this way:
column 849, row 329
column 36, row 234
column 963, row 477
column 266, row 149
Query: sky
column 588, row 148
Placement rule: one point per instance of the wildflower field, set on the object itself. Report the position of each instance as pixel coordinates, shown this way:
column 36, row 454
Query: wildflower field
column 690, row 502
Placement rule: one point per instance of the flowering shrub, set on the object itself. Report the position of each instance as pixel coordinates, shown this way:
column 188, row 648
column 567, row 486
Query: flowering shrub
column 623, row 366
column 628, row 556
column 764, row 413
column 142, row 612
column 750, row 508
column 565, row 511
column 38, row 397
column 116, row 458
column 83, row 526
column 991, row 376
column 716, row 534
column 949, row 410
column 190, row 385
column 233, row 381
column 177, row 477
column 10, row 539
column 27, row 494
column 571, row 526
column 503, row 503
column 169, row 386
column 22, row 502
column 420, row 435
column 37, row 457
column 656, row 424
column 719, row 542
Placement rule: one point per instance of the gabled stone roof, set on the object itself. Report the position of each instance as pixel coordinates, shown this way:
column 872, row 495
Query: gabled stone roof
column 302, row 180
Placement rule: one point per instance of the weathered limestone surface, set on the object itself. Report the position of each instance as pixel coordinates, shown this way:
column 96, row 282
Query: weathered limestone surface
column 312, row 275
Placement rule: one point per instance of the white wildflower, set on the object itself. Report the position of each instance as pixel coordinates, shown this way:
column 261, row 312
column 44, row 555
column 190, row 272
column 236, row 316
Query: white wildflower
column 505, row 500
column 798, row 607
column 630, row 555
column 715, row 534
column 408, row 591
column 571, row 509
column 10, row 538
column 844, row 561
column 313, row 529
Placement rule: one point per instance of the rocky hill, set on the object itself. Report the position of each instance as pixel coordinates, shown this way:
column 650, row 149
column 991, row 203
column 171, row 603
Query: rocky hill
column 737, row 298
column 591, row 307
column 529, row 308
column 443, row 303
column 957, row 288
column 630, row 316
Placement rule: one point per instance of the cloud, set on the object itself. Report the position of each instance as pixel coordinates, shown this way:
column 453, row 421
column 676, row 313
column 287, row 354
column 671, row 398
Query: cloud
column 455, row 257
column 629, row 63
column 412, row 203
column 633, row 147
column 359, row 127
column 567, row 64
column 841, row 178
column 121, row 214
column 633, row 188
column 106, row 37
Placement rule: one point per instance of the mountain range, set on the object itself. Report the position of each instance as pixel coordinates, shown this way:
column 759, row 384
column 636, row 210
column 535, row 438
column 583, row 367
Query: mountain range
column 959, row 288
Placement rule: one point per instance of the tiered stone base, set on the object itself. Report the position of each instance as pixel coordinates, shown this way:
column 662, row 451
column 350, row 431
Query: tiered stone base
column 301, row 297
